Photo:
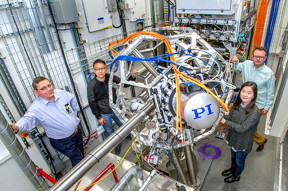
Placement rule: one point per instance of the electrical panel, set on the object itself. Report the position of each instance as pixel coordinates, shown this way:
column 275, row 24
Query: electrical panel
column 65, row 11
column 220, row 7
column 135, row 10
column 97, row 14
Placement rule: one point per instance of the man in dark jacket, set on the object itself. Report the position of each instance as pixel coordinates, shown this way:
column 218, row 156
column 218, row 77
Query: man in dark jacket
column 98, row 98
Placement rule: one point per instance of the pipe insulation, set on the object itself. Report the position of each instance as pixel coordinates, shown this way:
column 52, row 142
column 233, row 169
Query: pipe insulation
column 99, row 152
column 19, row 154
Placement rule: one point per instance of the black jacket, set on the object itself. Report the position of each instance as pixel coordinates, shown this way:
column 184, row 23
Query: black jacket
column 98, row 95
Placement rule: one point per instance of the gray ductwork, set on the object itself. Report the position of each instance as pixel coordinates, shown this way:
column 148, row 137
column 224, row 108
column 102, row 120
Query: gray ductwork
column 19, row 154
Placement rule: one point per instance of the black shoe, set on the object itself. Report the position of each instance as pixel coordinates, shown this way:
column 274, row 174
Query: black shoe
column 232, row 178
column 261, row 147
column 117, row 150
column 228, row 172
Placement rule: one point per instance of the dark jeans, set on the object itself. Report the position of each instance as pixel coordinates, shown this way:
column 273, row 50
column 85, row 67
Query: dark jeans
column 72, row 147
column 108, row 122
column 238, row 161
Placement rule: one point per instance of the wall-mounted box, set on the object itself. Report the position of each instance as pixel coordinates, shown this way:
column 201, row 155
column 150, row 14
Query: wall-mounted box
column 219, row 7
column 64, row 11
column 97, row 15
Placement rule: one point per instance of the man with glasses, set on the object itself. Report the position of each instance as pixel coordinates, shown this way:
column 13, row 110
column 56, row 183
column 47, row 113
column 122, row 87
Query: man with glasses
column 256, row 71
column 98, row 98
column 56, row 110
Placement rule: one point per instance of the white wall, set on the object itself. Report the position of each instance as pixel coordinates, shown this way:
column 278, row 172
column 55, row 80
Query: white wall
column 136, row 5
column 12, row 177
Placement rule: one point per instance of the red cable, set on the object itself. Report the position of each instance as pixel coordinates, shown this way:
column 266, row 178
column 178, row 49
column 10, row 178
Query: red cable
column 47, row 176
column 110, row 166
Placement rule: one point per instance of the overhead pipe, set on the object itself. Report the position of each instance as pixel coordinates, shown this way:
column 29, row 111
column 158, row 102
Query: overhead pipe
column 98, row 153
column 19, row 154
column 134, row 171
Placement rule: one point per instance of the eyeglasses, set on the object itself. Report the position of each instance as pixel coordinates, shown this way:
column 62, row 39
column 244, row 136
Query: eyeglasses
column 259, row 57
column 99, row 69
column 44, row 88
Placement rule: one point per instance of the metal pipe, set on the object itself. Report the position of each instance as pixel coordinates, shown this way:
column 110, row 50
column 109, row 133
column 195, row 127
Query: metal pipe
column 29, row 47
column 146, row 64
column 98, row 153
column 37, row 25
column 148, row 179
column 39, row 2
column 179, row 168
column 134, row 171
column 21, row 44
column 19, row 154
column 190, row 165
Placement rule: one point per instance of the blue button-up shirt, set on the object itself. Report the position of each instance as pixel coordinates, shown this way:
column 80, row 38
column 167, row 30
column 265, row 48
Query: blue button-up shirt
column 59, row 117
column 263, row 77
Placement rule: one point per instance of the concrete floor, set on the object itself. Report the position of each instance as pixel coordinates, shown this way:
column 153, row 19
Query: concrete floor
column 257, row 175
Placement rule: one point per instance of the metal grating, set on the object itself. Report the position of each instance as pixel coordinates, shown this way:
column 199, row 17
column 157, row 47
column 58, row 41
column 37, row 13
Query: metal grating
column 92, row 51
column 24, row 56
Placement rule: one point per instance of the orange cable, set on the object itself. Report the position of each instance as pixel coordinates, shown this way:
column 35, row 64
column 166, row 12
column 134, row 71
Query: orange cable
column 176, row 72
column 196, row 82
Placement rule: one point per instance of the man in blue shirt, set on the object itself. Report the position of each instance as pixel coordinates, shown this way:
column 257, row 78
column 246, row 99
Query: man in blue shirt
column 256, row 71
column 56, row 110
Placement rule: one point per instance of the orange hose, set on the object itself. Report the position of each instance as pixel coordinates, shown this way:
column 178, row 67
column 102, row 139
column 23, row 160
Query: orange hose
column 169, row 49
column 176, row 72
column 196, row 82
column 259, row 24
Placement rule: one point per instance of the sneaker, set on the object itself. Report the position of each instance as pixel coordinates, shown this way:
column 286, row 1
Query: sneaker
column 228, row 172
column 232, row 178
